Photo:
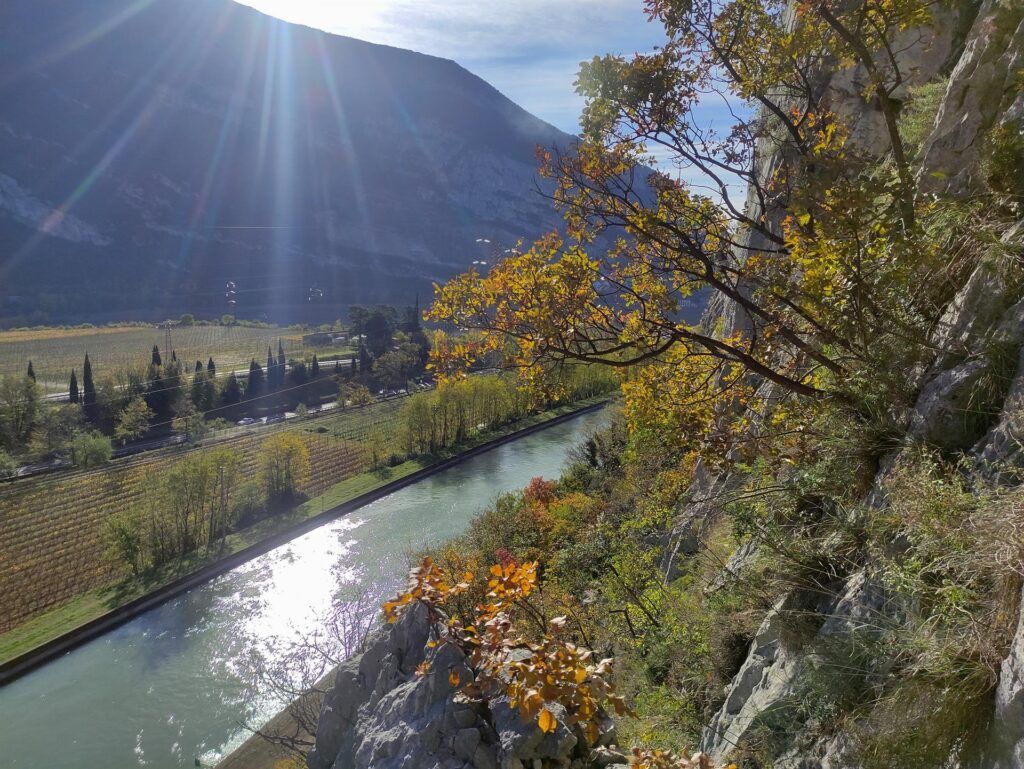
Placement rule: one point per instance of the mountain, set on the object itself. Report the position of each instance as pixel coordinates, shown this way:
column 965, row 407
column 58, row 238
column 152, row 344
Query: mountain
column 152, row 151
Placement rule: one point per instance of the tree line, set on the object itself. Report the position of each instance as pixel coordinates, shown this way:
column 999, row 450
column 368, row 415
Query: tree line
column 167, row 395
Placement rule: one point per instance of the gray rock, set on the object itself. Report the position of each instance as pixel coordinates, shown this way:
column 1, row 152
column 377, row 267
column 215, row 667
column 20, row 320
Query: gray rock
column 1009, row 721
column 940, row 416
column 380, row 715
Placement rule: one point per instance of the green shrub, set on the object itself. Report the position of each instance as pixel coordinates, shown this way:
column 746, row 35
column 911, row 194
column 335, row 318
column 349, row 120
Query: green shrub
column 1002, row 160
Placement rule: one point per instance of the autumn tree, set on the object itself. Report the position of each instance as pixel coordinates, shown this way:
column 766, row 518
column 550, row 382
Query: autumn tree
column 817, row 258
column 284, row 460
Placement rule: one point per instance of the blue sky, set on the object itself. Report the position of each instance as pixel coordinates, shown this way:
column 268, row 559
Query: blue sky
column 528, row 49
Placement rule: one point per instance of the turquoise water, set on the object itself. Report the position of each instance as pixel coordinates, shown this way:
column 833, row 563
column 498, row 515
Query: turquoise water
column 163, row 690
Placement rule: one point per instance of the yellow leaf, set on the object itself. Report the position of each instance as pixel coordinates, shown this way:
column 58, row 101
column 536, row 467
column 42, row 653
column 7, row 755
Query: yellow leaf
column 546, row 721
column 453, row 678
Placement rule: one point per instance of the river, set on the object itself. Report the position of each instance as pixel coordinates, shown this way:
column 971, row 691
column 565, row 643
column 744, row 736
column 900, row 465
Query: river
column 163, row 690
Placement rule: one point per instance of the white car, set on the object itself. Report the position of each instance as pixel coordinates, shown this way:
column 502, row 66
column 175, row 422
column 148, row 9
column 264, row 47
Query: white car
column 247, row 421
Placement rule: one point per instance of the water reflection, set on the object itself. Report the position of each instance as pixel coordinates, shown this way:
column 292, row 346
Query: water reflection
column 165, row 688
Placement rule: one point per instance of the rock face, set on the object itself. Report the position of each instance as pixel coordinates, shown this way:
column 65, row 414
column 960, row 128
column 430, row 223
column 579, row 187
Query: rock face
column 380, row 715
column 150, row 152
column 983, row 48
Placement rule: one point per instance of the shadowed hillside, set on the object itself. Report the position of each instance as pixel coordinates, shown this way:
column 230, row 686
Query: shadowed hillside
column 151, row 151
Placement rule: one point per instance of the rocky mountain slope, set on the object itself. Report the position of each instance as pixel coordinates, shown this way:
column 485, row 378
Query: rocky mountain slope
column 150, row 152
column 831, row 637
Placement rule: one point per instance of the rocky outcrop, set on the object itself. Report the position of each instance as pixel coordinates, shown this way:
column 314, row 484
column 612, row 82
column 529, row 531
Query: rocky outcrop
column 380, row 714
column 984, row 90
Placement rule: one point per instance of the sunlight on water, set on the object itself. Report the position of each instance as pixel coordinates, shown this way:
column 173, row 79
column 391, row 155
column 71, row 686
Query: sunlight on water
column 164, row 689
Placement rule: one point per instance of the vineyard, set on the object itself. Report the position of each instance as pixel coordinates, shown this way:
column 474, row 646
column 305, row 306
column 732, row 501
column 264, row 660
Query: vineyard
column 55, row 352
column 52, row 543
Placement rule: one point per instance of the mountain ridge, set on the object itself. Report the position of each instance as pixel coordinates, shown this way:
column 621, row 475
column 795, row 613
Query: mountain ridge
column 369, row 170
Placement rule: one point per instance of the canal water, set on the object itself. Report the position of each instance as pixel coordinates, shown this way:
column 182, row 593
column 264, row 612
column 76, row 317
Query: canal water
column 165, row 690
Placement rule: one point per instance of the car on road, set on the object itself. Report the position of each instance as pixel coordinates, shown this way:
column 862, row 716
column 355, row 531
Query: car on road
column 247, row 421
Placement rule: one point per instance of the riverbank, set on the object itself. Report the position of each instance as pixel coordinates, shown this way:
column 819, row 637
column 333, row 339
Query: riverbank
column 91, row 615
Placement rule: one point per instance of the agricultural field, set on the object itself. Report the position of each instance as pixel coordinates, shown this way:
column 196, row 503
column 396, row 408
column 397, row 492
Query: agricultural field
column 52, row 530
column 55, row 352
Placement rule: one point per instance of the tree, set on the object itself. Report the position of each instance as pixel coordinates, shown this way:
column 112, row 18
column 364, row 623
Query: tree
column 187, row 319
column 199, row 367
column 804, row 272
column 254, row 385
column 191, row 423
column 272, row 383
column 232, row 392
column 88, row 390
column 379, row 330
column 133, row 421
column 284, row 465
column 73, row 388
column 55, row 429
column 314, row 369
column 126, row 536
column 91, row 450
column 30, row 373
column 365, row 361
column 211, row 368
column 8, row 466
column 353, row 394
column 155, row 356
column 204, row 391
column 164, row 390
column 19, row 410
column 298, row 376
column 396, row 367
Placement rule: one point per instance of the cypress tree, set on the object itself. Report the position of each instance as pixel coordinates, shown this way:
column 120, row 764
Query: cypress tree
column 281, row 367
column 30, row 373
column 174, row 357
column 271, row 371
column 364, row 359
column 314, row 369
column 255, row 385
column 155, row 360
column 232, row 392
column 88, row 389
column 211, row 369
column 199, row 366
column 352, row 365
column 73, row 388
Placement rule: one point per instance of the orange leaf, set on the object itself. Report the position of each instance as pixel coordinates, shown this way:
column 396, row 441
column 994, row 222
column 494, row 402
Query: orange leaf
column 546, row 721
